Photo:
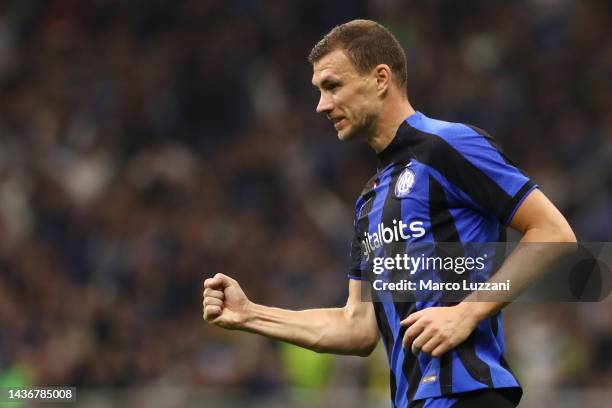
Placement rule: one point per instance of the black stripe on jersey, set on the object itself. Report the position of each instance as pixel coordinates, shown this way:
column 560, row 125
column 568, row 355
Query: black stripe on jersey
column 392, row 209
column 410, row 366
column 387, row 336
column 434, row 151
column 477, row 368
column 442, row 222
column 379, row 310
column 417, row 404
column 446, row 373
column 517, row 197
column 443, row 229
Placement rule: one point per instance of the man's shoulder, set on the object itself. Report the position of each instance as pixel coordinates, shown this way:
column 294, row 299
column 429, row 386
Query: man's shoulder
column 446, row 129
column 443, row 137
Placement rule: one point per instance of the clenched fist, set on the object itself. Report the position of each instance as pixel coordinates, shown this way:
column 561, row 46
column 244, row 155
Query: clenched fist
column 225, row 304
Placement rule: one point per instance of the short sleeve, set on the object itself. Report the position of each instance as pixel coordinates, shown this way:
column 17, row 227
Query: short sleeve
column 482, row 174
column 356, row 259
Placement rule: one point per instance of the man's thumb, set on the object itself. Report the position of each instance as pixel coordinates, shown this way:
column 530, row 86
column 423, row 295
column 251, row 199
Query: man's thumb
column 224, row 280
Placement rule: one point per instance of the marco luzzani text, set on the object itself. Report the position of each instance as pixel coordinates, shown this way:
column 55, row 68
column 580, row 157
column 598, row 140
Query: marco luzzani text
column 412, row 264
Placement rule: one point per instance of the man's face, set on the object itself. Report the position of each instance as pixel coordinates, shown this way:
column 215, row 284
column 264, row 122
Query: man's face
column 348, row 98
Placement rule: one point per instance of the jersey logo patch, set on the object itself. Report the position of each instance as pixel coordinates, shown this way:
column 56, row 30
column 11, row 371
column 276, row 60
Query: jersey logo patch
column 429, row 379
column 404, row 183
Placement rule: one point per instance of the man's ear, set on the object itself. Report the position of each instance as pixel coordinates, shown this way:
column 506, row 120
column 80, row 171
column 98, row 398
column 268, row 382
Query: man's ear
column 382, row 73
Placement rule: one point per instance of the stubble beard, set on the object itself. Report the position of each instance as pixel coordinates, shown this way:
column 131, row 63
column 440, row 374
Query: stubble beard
column 365, row 130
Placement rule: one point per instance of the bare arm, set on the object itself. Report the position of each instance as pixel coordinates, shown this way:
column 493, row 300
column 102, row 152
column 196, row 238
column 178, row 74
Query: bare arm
column 540, row 222
column 436, row 330
column 348, row 330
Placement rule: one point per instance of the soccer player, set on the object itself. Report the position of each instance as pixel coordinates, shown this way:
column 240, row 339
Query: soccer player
column 436, row 182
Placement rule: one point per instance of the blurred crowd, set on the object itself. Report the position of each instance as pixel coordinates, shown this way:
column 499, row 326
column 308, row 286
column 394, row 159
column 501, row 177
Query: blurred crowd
column 146, row 145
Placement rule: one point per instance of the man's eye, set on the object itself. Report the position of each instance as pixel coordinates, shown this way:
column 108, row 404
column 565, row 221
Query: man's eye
column 332, row 87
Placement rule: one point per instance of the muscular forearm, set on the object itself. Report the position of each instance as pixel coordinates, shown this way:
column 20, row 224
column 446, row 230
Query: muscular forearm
column 536, row 253
column 333, row 330
column 348, row 330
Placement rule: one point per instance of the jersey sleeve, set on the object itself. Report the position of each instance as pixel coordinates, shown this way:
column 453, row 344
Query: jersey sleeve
column 482, row 175
column 356, row 270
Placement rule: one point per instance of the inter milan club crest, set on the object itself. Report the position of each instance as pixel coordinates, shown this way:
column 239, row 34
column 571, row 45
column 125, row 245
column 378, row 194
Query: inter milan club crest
column 404, row 183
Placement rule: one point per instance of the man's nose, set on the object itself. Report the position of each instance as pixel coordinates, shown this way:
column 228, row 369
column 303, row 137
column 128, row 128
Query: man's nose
column 325, row 105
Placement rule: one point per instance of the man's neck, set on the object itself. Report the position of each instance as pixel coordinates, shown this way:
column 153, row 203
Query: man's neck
column 394, row 113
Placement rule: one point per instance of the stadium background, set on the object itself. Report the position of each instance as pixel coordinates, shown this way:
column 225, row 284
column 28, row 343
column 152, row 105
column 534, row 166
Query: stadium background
column 146, row 145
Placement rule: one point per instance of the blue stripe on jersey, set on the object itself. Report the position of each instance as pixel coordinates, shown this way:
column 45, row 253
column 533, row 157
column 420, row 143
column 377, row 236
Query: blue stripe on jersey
column 462, row 380
column 475, row 148
column 473, row 227
column 396, row 355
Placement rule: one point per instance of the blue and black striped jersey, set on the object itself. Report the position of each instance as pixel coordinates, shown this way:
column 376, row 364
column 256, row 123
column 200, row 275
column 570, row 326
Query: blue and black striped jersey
column 438, row 182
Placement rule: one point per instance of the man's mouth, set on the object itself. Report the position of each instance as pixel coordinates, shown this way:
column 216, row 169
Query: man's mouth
column 337, row 121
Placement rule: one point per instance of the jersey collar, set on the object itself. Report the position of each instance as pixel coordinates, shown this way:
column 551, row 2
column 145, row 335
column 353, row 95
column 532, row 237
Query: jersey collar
column 399, row 146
